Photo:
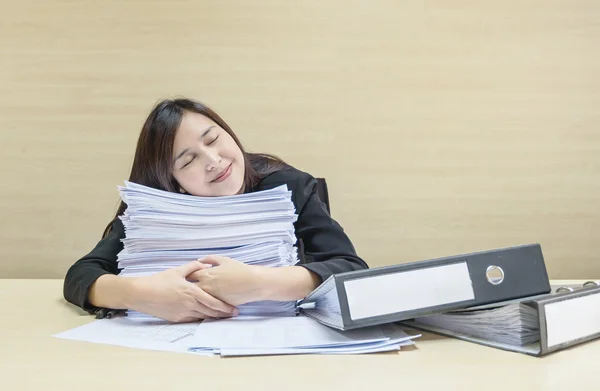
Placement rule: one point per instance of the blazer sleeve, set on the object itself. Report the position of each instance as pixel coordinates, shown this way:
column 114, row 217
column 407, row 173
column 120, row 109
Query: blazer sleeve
column 326, row 246
column 101, row 260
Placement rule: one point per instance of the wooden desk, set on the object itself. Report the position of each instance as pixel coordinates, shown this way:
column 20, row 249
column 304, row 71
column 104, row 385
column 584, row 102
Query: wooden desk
column 33, row 310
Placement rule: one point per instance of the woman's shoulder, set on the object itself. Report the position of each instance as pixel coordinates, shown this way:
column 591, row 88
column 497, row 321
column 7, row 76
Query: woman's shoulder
column 301, row 183
column 114, row 230
column 289, row 175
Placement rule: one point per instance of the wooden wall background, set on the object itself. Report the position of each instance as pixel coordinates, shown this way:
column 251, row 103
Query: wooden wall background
column 441, row 127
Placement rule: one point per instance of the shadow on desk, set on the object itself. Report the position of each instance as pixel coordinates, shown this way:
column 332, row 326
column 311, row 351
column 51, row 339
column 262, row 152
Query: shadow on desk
column 425, row 336
column 72, row 308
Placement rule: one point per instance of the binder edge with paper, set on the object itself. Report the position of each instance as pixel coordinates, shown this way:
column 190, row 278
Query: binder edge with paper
column 458, row 281
column 541, row 304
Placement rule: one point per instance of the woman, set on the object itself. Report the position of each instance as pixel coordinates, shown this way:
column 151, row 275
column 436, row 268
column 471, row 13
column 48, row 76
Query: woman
column 184, row 146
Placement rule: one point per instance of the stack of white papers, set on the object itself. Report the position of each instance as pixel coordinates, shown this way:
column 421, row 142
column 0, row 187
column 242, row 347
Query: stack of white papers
column 164, row 230
column 251, row 336
column 242, row 336
column 513, row 324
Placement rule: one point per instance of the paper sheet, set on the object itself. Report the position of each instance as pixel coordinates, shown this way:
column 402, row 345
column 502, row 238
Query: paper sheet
column 285, row 332
column 142, row 335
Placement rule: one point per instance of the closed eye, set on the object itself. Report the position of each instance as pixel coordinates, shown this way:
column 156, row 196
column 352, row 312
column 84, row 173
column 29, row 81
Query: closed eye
column 186, row 164
column 213, row 141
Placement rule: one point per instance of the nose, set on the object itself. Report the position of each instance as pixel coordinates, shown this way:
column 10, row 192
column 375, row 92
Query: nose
column 212, row 159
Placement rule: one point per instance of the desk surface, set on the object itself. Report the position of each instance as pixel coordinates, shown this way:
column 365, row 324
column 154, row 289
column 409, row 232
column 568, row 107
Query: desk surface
column 33, row 310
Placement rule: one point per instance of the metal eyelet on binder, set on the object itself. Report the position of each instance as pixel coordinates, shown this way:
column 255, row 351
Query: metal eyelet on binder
column 494, row 274
column 564, row 289
column 586, row 284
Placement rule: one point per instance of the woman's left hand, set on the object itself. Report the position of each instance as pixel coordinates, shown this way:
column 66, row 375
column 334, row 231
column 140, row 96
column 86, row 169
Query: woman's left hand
column 229, row 280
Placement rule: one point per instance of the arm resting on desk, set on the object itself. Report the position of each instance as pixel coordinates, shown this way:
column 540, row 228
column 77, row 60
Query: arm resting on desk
column 102, row 260
column 110, row 291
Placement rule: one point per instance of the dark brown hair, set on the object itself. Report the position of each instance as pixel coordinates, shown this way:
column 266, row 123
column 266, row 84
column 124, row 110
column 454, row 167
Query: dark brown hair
column 152, row 164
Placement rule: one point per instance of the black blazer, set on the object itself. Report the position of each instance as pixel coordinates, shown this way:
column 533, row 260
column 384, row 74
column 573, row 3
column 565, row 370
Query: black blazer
column 324, row 247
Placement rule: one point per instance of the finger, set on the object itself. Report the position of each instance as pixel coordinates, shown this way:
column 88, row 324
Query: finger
column 215, row 260
column 190, row 319
column 190, row 268
column 212, row 302
column 205, row 312
column 210, row 261
column 197, row 275
column 197, row 314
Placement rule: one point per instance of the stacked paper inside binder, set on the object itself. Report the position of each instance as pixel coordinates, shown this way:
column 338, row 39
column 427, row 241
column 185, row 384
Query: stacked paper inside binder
column 165, row 230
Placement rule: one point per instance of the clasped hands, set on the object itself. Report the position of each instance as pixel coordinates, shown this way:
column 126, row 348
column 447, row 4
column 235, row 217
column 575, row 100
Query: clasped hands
column 208, row 288
column 213, row 286
column 229, row 280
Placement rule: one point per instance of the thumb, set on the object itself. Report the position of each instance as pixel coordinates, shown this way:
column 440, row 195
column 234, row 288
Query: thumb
column 190, row 268
column 211, row 260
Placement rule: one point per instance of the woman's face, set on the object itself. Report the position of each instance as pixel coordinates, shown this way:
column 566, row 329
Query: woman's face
column 206, row 159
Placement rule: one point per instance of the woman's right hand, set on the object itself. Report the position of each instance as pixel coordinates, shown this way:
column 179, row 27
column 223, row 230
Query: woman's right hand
column 169, row 295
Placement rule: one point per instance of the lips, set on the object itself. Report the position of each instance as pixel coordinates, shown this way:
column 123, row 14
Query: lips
column 223, row 174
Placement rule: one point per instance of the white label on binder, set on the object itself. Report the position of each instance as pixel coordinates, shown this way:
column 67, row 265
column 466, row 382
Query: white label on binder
column 408, row 290
column 572, row 319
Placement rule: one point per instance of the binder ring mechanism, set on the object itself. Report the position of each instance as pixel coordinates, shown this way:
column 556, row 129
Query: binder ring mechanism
column 571, row 289
column 494, row 274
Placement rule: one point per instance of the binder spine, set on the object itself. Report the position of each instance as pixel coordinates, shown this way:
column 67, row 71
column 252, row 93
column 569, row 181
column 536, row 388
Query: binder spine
column 564, row 294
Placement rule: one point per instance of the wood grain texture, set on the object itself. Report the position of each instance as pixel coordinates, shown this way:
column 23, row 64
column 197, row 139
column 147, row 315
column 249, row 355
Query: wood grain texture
column 441, row 128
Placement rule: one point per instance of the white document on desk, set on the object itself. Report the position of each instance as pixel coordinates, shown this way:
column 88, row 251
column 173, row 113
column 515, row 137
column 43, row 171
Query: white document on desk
column 370, row 347
column 162, row 336
column 241, row 336
column 292, row 335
